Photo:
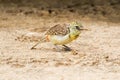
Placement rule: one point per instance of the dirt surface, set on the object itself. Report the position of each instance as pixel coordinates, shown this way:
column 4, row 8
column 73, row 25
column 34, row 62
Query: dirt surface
column 96, row 56
column 107, row 10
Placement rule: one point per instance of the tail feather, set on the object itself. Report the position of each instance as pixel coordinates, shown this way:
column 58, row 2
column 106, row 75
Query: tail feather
column 41, row 40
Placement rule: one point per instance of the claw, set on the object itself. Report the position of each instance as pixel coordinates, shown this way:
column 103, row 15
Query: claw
column 66, row 48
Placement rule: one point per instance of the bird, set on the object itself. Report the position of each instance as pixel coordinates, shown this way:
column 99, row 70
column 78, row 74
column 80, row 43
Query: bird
column 62, row 34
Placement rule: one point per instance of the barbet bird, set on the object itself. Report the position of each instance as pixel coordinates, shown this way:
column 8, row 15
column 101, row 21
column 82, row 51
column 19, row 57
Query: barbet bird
column 62, row 34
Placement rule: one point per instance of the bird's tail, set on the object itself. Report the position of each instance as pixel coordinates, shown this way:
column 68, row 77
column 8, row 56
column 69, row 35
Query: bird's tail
column 41, row 40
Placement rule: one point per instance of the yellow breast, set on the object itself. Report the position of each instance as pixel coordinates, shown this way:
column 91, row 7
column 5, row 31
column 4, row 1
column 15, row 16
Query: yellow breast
column 73, row 37
column 60, row 40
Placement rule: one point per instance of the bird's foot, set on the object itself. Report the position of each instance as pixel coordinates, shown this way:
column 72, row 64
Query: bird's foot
column 32, row 48
column 66, row 48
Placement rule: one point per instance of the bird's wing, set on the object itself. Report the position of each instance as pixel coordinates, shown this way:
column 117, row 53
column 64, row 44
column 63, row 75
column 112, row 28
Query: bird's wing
column 58, row 30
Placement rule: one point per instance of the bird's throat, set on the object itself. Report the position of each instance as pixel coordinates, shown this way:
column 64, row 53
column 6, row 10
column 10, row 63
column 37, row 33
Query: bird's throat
column 73, row 36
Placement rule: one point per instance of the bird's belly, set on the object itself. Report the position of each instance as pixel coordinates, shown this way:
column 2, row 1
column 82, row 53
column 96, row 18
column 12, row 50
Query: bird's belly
column 60, row 40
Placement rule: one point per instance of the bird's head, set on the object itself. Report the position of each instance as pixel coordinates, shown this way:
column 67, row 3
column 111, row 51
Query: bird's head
column 75, row 27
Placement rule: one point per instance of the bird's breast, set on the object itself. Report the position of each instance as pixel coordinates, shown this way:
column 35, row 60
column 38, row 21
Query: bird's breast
column 60, row 40
column 73, row 37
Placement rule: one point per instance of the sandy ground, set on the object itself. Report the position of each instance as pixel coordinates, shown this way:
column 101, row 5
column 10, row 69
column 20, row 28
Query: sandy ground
column 97, row 58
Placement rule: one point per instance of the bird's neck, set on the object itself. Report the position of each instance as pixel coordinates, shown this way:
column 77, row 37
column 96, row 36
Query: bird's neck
column 74, row 34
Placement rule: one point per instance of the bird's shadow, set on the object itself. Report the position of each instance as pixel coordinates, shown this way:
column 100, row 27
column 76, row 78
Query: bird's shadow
column 63, row 49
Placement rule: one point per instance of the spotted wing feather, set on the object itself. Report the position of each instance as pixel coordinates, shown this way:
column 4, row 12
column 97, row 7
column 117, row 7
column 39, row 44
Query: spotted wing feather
column 58, row 30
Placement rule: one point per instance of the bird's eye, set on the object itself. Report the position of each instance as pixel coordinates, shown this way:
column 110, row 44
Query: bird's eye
column 77, row 27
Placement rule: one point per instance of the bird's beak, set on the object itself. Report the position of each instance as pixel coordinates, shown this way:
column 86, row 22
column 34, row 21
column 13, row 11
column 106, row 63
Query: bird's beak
column 85, row 29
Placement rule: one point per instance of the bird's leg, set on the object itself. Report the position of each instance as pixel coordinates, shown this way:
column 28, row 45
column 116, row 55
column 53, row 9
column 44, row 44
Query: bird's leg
column 35, row 46
column 66, row 48
column 57, row 48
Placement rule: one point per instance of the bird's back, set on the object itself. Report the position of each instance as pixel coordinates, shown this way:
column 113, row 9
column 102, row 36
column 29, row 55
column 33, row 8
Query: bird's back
column 58, row 30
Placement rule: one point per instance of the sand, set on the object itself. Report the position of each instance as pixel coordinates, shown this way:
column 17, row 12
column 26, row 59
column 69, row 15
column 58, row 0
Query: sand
column 97, row 50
